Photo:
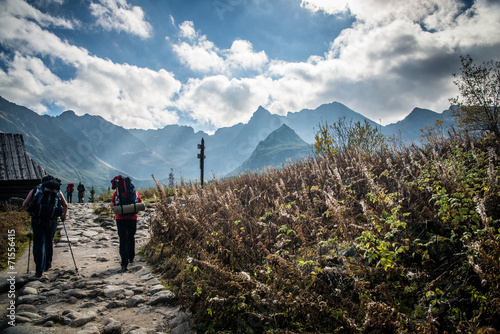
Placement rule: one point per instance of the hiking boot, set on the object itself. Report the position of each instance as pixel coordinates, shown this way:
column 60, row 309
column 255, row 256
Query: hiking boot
column 35, row 277
column 123, row 269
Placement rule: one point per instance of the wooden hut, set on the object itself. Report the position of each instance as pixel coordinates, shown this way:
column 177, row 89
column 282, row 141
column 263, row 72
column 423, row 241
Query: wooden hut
column 18, row 173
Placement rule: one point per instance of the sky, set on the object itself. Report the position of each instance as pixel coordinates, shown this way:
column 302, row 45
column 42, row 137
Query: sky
column 211, row 63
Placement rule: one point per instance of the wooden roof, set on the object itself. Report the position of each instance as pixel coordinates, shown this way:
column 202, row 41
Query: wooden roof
column 15, row 164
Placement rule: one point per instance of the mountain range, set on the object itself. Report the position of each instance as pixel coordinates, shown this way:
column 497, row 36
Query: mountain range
column 282, row 145
column 92, row 150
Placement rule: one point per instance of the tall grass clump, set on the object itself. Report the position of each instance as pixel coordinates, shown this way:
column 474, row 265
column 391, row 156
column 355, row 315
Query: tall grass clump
column 15, row 230
column 371, row 238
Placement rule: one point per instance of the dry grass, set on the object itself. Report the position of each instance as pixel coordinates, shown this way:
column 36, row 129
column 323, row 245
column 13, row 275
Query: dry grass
column 12, row 219
column 404, row 240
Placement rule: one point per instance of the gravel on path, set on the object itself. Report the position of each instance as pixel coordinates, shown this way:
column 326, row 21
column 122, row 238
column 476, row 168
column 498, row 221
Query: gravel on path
column 92, row 297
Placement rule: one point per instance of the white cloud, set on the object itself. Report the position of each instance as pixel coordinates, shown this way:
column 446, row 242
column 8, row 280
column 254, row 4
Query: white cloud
column 124, row 94
column 378, row 12
column 221, row 101
column 202, row 55
column 27, row 79
column 20, row 33
column 478, row 26
column 127, row 95
column 121, row 16
column 241, row 55
column 398, row 55
column 328, row 6
column 446, row 19
column 387, row 63
column 16, row 8
column 187, row 30
column 395, row 56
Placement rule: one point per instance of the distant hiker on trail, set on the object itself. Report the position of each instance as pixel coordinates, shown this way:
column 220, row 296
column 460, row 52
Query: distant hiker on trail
column 92, row 195
column 45, row 204
column 125, row 204
column 69, row 192
column 81, row 192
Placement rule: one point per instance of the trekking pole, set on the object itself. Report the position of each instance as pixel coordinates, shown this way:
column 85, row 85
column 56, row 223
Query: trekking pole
column 67, row 237
column 29, row 251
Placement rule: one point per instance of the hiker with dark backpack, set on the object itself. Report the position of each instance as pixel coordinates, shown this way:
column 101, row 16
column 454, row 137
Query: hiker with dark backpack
column 45, row 204
column 81, row 192
column 125, row 203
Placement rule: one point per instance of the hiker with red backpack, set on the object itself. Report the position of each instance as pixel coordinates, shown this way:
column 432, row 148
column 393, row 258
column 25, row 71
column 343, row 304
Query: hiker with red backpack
column 125, row 204
column 69, row 192
column 45, row 204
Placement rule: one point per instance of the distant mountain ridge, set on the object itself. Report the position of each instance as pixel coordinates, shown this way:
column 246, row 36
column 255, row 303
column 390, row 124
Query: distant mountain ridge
column 410, row 127
column 92, row 150
column 110, row 143
column 281, row 146
column 306, row 121
column 50, row 146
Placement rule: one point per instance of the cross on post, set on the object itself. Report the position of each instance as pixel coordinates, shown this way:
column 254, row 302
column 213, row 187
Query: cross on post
column 202, row 157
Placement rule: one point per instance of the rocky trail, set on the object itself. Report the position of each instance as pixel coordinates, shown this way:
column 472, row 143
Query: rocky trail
column 94, row 297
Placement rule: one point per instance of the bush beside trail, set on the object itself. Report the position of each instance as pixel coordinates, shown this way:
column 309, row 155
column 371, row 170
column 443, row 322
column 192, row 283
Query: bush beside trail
column 397, row 240
column 13, row 219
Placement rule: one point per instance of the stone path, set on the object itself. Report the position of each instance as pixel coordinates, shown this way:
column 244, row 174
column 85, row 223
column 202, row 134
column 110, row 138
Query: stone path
column 96, row 298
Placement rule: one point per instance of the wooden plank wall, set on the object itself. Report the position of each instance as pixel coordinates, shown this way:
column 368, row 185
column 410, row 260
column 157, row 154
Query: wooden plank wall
column 18, row 172
column 15, row 163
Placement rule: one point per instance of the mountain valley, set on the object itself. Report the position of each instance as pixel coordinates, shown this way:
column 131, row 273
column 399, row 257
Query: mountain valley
column 92, row 150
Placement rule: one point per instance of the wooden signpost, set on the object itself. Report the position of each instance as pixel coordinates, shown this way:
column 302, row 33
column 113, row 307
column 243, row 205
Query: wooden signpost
column 202, row 157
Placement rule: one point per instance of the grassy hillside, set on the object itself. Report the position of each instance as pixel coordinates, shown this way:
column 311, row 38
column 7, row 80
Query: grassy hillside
column 405, row 240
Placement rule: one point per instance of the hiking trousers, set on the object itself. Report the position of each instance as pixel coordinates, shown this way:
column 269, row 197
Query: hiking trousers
column 43, row 236
column 126, row 235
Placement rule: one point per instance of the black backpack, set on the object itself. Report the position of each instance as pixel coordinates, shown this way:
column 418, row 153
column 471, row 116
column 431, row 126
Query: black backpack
column 45, row 201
